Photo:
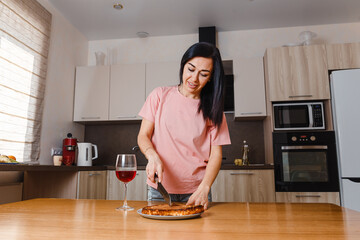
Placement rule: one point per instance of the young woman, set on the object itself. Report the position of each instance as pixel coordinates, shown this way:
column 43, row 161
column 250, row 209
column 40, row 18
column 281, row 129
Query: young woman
column 184, row 127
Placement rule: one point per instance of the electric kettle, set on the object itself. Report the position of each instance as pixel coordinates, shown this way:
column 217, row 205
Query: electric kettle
column 85, row 156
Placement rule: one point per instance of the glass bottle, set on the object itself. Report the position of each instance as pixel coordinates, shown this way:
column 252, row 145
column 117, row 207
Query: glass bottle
column 245, row 159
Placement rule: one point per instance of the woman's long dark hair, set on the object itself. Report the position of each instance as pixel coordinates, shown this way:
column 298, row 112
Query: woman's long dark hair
column 212, row 95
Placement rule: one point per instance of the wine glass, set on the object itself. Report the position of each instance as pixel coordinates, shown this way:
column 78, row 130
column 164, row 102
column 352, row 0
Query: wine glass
column 125, row 172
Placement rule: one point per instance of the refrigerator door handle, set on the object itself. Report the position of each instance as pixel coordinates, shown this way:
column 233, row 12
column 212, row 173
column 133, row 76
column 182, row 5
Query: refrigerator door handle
column 311, row 119
column 357, row 180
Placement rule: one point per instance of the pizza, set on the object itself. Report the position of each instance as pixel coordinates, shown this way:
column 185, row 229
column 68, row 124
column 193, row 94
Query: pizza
column 177, row 209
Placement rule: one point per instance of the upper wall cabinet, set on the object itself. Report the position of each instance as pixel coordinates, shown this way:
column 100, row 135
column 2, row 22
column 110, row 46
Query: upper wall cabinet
column 91, row 93
column 118, row 92
column 127, row 91
column 343, row 56
column 297, row 73
column 161, row 74
column 249, row 88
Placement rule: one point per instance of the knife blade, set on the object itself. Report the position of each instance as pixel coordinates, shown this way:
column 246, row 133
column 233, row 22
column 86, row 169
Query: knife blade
column 163, row 191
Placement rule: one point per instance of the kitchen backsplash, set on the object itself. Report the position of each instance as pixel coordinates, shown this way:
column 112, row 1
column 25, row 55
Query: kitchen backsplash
column 114, row 138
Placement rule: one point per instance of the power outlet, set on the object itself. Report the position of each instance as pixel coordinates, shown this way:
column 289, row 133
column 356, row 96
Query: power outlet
column 56, row 151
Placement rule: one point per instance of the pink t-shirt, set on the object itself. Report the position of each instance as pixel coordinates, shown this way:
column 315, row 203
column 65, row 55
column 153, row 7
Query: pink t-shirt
column 181, row 137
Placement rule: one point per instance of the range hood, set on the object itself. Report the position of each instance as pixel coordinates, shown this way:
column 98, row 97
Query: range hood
column 208, row 34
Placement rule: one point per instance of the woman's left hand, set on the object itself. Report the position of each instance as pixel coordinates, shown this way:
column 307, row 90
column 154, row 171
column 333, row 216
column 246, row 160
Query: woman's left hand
column 200, row 197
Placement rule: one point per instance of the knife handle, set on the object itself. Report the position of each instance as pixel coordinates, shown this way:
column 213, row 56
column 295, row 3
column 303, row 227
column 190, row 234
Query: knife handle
column 156, row 178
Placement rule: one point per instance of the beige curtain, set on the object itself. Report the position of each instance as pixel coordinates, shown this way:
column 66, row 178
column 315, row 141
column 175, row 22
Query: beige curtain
column 24, row 44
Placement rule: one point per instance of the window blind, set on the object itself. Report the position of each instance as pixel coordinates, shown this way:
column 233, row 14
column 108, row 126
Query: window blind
column 24, row 44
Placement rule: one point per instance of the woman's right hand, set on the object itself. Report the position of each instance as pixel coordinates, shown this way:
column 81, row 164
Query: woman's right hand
column 154, row 165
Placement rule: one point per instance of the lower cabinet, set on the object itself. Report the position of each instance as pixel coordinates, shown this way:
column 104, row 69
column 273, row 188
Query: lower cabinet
column 50, row 184
column 136, row 189
column 11, row 192
column 92, row 184
column 244, row 186
column 308, row 197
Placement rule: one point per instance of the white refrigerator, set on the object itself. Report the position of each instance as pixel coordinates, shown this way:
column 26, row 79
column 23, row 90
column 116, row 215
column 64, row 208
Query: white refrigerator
column 345, row 94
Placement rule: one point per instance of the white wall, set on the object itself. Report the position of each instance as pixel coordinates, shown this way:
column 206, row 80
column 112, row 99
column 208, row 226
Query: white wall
column 232, row 44
column 141, row 50
column 68, row 48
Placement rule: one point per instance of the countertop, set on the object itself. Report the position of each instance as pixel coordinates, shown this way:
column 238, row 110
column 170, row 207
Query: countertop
column 25, row 167
column 98, row 219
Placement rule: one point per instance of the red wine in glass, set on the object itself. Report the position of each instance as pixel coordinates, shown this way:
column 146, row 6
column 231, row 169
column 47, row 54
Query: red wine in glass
column 125, row 176
column 125, row 169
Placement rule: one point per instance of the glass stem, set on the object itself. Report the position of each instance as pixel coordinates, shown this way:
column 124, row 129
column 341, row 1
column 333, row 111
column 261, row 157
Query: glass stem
column 125, row 201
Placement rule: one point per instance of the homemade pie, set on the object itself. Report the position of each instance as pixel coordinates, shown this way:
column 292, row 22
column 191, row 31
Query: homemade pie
column 177, row 209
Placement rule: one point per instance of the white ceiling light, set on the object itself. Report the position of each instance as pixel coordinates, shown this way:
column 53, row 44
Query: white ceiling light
column 118, row 6
column 142, row 34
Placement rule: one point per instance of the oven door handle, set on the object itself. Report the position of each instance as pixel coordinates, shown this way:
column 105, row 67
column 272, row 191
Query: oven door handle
column 321, row 147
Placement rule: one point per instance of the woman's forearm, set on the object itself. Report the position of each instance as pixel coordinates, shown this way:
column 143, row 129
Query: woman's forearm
column 213, row 167
column 144, row 138
column 147, row 148
column 145, row 145
column 200, row 196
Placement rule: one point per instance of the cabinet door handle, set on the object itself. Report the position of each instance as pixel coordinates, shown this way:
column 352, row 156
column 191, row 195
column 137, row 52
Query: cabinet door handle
column 94, row 174
column 296, row 96
column 125, row 116
column 250, row 113
column 90, row 117
column 300, row 196
column 242, row 173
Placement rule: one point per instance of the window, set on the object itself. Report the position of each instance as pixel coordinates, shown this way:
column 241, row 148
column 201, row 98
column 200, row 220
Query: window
column 24, row 44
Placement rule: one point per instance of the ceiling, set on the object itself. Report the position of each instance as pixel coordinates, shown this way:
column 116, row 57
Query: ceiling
column 98, row 20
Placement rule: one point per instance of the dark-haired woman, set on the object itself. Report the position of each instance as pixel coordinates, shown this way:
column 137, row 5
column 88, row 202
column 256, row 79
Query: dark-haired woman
column 184, row 127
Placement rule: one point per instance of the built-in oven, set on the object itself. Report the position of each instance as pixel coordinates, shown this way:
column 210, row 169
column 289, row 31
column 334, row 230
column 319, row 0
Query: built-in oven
column 305, row 162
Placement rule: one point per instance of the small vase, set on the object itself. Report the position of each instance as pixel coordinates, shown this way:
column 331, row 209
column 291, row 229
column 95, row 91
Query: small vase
column 100, row 58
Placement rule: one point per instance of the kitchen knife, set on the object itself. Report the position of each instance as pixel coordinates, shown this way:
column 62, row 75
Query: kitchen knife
column 163, row 191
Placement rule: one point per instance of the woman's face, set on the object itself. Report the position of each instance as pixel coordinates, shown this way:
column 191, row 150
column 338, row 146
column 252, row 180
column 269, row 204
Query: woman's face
column 196, row 73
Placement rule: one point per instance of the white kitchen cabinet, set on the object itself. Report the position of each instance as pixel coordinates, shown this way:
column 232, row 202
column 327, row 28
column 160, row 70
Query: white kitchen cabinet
column 161, row 74
column 249, row 88
column 137, row 188
column 91, row 93
column 244, row 186
column 127, row 91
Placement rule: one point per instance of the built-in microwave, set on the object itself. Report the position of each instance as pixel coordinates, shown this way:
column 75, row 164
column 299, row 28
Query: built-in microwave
column 299, row 116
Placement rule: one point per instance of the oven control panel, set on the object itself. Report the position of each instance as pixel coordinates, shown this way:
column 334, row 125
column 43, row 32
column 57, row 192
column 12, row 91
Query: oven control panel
column 303, row 138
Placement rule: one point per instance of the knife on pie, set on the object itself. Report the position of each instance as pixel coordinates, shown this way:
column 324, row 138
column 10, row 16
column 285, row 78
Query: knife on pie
column 163, row 191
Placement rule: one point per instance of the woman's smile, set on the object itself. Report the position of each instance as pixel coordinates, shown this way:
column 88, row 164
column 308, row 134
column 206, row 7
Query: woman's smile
column 191, row 85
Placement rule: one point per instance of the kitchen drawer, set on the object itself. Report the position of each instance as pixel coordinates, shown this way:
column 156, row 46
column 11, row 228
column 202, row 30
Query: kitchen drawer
column 244, row 186
column 92, row 185
column 308, row 197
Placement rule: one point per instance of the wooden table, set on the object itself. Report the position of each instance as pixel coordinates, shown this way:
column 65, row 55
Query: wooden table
column 98, row 219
